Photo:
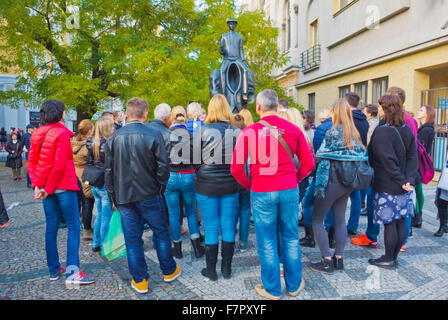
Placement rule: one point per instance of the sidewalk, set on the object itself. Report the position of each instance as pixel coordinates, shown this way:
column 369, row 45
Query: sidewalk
column 423, row 271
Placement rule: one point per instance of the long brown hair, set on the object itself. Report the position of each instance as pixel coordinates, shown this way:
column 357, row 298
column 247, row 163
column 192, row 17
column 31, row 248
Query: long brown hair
column 342, row 116
column 83, row 129
column 103, row 129
column 430, row 115
column 393, row 110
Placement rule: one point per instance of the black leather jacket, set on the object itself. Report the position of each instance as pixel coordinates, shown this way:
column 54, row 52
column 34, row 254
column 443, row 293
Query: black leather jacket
column 215, row 178
column 180, row 140
column 159, row 126
column 137, row 164
column 91, row 155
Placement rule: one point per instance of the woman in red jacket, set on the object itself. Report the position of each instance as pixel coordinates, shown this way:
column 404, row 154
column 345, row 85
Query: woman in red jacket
column 52, row 173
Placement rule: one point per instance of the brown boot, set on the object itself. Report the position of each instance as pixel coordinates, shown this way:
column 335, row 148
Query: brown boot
column 87, row 235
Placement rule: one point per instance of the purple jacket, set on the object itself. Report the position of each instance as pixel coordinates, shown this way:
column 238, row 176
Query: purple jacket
column 411, row 123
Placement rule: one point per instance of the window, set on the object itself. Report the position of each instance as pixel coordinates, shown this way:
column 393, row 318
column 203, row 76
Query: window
column 379, row 88
column 312, row 102
column 286, row 27
column 361, row 91
column 314, row 33
column 343, row 91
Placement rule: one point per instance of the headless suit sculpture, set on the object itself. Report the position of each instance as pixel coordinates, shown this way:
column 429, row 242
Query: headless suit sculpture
column 234, row 79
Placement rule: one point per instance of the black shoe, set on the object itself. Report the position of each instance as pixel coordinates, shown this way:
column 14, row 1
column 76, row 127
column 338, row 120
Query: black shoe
column 383, row 263
column 417, row 221
column 363, row 205
column 211, row 256
column 338, row 263
column 96, row 249
column 325, row 265
column 331, row 239
column 177, row 250
column 351, row 233
column 440, row 232
column 308, row 240
column 197, row 248
column 227, row 250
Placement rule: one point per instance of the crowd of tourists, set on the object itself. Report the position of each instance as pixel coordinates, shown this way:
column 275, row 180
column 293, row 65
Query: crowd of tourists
column 218, row 170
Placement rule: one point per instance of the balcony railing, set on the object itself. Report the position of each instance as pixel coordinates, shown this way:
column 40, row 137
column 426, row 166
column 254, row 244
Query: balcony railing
column 310, row 58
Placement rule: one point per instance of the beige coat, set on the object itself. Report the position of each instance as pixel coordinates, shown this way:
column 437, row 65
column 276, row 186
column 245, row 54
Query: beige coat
column 80, row 159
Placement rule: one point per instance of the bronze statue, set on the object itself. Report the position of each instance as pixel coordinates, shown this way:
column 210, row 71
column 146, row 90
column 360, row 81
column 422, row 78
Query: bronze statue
column 234, row 79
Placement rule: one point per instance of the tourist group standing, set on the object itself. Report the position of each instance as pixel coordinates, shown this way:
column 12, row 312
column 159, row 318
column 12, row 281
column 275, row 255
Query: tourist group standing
column 217, row 169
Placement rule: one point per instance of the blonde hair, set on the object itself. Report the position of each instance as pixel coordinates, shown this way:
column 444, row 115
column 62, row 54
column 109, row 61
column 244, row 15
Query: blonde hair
column 194, row 110
column 103, row 129
column 178, row 114
column 284, row 115
column 342, row 116
column 219, row 110
column 297, row 118
column 324, row 114
column 293, row 115
column 247, row 116
column 83, row 129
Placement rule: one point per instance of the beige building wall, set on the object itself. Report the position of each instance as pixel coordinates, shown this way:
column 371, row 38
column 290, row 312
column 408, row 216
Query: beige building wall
column 408, row 72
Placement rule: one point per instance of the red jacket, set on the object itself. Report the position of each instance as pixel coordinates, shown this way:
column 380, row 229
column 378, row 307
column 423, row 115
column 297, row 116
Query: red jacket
column 271, row 168
column 52, row 167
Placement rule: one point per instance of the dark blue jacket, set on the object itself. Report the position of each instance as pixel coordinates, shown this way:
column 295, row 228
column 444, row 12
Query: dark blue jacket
column 361, row 124
column 321, row 131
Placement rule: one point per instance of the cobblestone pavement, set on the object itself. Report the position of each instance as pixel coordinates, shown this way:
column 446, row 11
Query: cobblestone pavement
column 423, row 271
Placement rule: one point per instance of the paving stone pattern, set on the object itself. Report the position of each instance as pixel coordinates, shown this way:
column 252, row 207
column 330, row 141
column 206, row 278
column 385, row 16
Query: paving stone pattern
column 423, row 271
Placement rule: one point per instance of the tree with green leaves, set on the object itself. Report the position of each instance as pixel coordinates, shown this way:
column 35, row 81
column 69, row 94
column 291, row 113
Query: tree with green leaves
column 85, row 52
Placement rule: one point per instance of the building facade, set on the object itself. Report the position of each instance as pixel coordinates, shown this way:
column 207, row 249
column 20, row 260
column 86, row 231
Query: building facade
column 366, row 46
column 25, row 114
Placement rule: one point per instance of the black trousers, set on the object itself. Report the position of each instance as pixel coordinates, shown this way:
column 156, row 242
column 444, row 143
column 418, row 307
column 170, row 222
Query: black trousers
column 85, row 206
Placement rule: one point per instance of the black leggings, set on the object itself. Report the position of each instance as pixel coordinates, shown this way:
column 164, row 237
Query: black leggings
column 394, row 237
column 336, row 198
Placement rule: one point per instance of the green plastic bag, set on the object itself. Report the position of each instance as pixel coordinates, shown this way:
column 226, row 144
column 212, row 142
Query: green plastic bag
column 114, row 245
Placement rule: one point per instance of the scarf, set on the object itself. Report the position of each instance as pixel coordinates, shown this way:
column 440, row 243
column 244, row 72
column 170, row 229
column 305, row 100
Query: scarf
column 333, row 149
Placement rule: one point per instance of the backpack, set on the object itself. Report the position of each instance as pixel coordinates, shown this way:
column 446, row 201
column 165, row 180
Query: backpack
column 426, row 166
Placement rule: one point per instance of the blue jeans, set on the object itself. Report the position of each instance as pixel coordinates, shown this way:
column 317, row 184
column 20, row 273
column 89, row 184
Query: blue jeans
column 181, row 184
column 65, row 204
column 408, row 229
column 355, row 211
column 308, row 204
column 363, row 196
column 218, row 213
column 244, row 215
column 280, row 210
column 102, row 222
column 153, row 213
column 373, row 230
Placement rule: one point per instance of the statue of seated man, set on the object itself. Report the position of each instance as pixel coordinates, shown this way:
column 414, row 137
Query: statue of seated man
column 231, row 47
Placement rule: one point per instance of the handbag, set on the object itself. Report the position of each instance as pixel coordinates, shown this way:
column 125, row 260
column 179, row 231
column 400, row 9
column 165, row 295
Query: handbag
column 443, row 181
column 355, row 174
column 93, row 176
